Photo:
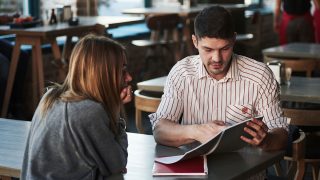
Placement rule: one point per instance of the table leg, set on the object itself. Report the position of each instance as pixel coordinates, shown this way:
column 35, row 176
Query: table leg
column 188, row 31
column 66, row 50
column 37, row 66
column 60, row 59
column 55, row 49
column 11, row 77
column 187, row 38
column 34, row 78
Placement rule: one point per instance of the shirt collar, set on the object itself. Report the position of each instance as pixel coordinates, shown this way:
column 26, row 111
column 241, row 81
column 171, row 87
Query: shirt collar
column 202, row 70
column 232, row 74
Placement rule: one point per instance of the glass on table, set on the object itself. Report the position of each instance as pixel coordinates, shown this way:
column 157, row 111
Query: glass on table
column 287, row 75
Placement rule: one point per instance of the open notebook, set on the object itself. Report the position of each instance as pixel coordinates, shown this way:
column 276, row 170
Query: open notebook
column 226, row 141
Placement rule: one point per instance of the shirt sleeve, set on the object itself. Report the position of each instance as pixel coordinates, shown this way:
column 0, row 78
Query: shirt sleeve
column 268, row 103
column 171, row 105
column 96, row 143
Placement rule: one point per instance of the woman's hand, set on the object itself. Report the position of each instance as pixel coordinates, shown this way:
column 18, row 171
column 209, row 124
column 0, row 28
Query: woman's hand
column 276, row 25
column 126, row 94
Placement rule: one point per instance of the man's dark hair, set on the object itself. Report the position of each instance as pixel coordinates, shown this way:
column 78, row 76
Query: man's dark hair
column 214, row 22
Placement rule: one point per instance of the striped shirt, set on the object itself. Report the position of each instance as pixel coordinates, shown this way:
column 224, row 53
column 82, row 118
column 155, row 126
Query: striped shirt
column 248, row 89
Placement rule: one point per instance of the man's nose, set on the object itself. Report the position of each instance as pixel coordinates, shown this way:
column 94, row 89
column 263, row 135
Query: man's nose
column 216, row 56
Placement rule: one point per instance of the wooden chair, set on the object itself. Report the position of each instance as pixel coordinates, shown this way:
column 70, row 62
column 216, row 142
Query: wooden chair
column 250, row 42
column 5, row 178
column 144, row 103
column 256, row 28
column 305, row 150
column 298, row 150
column 187, row 47
column 163, row 43
column 301, row 65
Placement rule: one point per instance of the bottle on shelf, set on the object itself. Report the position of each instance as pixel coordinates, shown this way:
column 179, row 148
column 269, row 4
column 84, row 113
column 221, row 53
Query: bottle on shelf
column 53, row 17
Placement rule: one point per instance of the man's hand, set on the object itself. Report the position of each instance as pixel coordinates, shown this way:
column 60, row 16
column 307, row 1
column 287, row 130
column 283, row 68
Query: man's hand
column 205, row 132
column 258, row 130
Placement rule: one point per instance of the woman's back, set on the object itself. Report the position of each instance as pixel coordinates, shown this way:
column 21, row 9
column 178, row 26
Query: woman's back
column 74, row 141
column 77, row 131
column 297, row 7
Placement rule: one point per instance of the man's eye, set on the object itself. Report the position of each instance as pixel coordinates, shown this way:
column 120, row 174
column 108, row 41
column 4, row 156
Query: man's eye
column 226, row 48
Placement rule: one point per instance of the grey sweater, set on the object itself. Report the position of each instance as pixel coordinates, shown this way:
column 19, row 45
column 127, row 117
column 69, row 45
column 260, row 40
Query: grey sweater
column 73, row 141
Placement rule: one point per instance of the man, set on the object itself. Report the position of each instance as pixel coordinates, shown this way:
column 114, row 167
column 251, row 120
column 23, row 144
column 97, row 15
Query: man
column 216, row 88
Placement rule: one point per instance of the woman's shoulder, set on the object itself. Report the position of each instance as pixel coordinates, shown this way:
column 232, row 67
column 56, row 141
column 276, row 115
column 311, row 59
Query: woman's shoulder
column 85, row 107
column 85, row 115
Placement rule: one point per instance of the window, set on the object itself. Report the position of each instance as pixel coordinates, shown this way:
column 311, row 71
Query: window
column 10, row 6
column 57, row 5
column 248, row 2
column 268, row 3
column 114, row 7
column 253, row 3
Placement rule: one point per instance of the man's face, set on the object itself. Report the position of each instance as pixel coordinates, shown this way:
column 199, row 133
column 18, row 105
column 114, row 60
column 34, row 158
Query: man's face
column 215, row 54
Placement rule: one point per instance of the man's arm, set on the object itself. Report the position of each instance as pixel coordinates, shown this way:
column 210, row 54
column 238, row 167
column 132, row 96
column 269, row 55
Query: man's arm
column 276, row 139
column 170, row 133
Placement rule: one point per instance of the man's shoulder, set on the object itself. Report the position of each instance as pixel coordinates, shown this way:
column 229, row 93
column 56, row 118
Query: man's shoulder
column 253, row 70
column 187, row 66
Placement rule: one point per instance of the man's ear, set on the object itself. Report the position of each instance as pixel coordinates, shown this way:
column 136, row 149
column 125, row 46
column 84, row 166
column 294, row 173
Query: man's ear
column 234, row 37
column 195, row 41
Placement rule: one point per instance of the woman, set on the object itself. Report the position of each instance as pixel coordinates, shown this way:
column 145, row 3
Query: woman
column 294, row 23
column 77, row 131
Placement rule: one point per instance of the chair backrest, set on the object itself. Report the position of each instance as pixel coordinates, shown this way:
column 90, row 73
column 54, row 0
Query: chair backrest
column 301, row 65
column 302, row 117
column 163, row 26
column 306, row 148
column 256, row 25
column 189, row 30
column 146, row 103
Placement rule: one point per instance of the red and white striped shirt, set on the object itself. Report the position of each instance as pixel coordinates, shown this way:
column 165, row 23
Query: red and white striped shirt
column 249, row 88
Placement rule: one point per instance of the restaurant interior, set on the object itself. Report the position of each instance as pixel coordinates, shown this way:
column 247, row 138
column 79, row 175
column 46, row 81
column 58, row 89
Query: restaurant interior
column 37, row 37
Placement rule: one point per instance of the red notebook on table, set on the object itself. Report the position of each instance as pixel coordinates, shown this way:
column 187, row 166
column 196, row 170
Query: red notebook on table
column 196, row 166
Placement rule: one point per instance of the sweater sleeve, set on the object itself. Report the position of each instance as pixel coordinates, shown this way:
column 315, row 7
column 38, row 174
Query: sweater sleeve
column 94, row 141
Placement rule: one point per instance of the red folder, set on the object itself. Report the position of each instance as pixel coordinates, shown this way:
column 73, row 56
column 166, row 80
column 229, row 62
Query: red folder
column 195, row 166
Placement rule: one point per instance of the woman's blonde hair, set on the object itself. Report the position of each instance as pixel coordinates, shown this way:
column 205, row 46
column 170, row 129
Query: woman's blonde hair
column 96, row 73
